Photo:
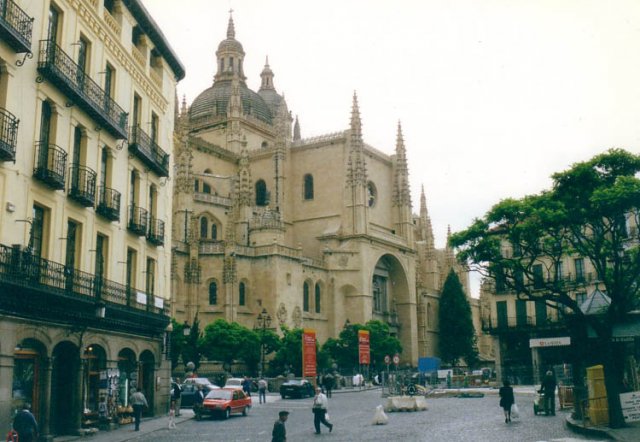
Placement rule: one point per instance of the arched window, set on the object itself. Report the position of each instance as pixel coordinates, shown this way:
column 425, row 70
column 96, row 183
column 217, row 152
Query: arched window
column 241, row 294
column 308, row 187
column 213, row 293
column 305, row 297
column 318, row 309
column 261, row 193
column 214, row 231
column 204, row 227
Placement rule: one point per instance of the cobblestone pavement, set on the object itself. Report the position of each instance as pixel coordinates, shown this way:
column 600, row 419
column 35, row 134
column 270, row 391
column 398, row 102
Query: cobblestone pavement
column 447, row 419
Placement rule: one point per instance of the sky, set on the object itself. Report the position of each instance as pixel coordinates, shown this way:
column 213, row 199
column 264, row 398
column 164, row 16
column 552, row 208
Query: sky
column 494, row 96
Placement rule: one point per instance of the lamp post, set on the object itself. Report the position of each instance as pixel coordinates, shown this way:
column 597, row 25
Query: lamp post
column 263, row 321
column 186, row 329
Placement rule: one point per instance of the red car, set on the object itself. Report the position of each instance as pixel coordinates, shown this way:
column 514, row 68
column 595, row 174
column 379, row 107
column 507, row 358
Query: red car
column 225, row 401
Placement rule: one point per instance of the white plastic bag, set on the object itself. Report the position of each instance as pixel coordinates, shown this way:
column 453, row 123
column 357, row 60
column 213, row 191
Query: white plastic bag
column 515, row 411
column 326, row 416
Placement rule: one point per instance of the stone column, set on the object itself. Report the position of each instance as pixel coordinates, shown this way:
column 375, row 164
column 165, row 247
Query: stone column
column 77, row 409
column 6, row 383
column 498, row 358
column 45, row 416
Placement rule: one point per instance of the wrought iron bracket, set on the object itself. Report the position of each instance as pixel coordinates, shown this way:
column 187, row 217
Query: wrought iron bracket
column 121, row 143
column 39, row 79
column 26, row 55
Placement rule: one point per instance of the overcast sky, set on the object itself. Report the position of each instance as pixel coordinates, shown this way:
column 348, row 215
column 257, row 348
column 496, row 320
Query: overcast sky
column 493, row 95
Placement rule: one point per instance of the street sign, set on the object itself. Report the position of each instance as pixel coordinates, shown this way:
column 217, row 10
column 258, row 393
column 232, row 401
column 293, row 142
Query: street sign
column 550, row 342
column 396, row 359
column 387, row 359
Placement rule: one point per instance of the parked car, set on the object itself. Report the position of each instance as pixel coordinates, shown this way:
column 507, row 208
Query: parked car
column 189, row 390
column 297, row 388
column 224, row 402
column 235, row 383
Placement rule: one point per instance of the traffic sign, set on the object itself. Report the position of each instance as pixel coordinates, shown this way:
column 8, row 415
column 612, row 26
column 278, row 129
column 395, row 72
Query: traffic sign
column 396, row 359
column 387, row 359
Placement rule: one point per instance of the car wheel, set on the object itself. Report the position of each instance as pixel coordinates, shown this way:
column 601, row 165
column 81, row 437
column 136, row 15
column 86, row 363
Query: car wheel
column 227, row 413
column 282, row 395
column 245, row 411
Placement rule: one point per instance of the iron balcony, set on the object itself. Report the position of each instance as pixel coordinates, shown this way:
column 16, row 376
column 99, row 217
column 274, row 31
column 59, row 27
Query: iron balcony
column 50, row 165
column 156, row 232
column 56, row 66
column 83, row 185
column 109, row 203
column 8, row 134
column 141, row 145
column 138, row 220
column 34, row 287
column 15, row 26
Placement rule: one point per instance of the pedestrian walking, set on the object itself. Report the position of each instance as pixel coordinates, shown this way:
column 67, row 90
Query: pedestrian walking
column 172, row 415
column 279, row 432
column 549, row 393
column 506, row 400
column 24, row 423
column 328, row 383
column 176, row 395
column 138, row 402
column 262, row 391
column 320, row 408
column 246, row 386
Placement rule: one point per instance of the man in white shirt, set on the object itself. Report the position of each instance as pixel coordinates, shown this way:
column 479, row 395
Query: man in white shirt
column 320, row 406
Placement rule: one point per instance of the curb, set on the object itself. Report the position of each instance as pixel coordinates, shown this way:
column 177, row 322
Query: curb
column 576, row 427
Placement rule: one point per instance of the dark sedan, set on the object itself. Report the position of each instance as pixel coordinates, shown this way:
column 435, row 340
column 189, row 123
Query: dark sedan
column 297, row 388
column 189, row 392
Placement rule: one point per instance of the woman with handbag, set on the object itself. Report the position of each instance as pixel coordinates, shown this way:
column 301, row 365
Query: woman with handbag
column 506, row 400
column 320, row 404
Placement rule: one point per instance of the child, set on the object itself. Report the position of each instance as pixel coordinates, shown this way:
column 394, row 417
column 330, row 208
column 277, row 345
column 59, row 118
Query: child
column 172, row 415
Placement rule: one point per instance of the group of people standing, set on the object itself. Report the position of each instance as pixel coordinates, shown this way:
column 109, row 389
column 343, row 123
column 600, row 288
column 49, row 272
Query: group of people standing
column 547, row 390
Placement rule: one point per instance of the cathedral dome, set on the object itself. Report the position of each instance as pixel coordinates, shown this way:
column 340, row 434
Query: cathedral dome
column 230, row 45
column 214, row 101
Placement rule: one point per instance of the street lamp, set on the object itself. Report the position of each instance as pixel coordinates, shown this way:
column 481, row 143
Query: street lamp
column 186, row 329
column 263, row 321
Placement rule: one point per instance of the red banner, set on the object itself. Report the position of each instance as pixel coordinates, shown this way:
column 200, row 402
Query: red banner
column 363, row 347
column 309, row 353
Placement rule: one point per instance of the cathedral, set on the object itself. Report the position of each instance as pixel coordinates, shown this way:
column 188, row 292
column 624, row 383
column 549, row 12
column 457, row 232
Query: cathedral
column 316, row 231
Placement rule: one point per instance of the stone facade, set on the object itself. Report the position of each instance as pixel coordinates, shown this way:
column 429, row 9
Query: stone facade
column 317, row 231
column 85, row 210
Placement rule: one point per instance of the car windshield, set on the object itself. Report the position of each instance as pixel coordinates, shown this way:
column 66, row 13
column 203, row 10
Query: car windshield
column 219, row 394
column 294, row 382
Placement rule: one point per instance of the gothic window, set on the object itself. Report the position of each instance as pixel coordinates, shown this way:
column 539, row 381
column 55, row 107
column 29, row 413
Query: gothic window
column 379, row 288
column 196, row 186
column 242, row 294
column 213, row 293
column 261, row 193
column 372, row 194
column 429, row 316
column 204, row 227
column 318, row 294
column 206, row 188
column 214, row 231
column 308, row 187
column 305, row 297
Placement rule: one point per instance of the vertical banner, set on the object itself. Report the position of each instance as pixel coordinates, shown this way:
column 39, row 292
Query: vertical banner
column 363, row 347
column 308, row 353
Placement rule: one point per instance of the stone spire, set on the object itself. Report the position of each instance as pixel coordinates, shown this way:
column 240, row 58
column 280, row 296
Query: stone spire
column 231, row 29
column 425, row 220
column 267, row 77
column 357, row 168
column 449, row 256
column 296, row 130
column 401, row 194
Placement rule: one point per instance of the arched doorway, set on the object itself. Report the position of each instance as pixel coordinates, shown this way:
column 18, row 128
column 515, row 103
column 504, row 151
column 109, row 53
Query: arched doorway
column 95, row 378
column 147, row 379
column 65, row 410
column 28, row 380
column 128, row 375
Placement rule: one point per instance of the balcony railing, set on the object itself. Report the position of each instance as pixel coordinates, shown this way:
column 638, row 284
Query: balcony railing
column 8, row 134
column 514, row 323
column 15, row 26
column 156, row 232
column 50, row 165
column 83, row 185
column 61, row 283
column 56, row 66
column 138, row 220
column 109, row 203
column 148, row 151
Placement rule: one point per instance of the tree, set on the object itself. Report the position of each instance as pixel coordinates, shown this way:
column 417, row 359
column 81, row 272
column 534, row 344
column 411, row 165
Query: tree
column 587, row 213
column 457, row 335
column 191, row 351
column 289, row 356
column 177, row 342
column 228, row 341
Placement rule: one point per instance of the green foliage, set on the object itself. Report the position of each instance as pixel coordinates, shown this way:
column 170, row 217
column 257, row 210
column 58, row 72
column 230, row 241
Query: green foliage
column 228, row 341
column 457, row 336
column 289, row 355
column 177, row 342
column 191, row 351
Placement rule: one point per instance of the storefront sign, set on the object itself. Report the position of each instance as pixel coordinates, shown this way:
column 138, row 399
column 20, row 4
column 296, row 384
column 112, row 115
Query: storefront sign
column 364, row 355
column 550, row 342
column 309, row 353
column 630, row 403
